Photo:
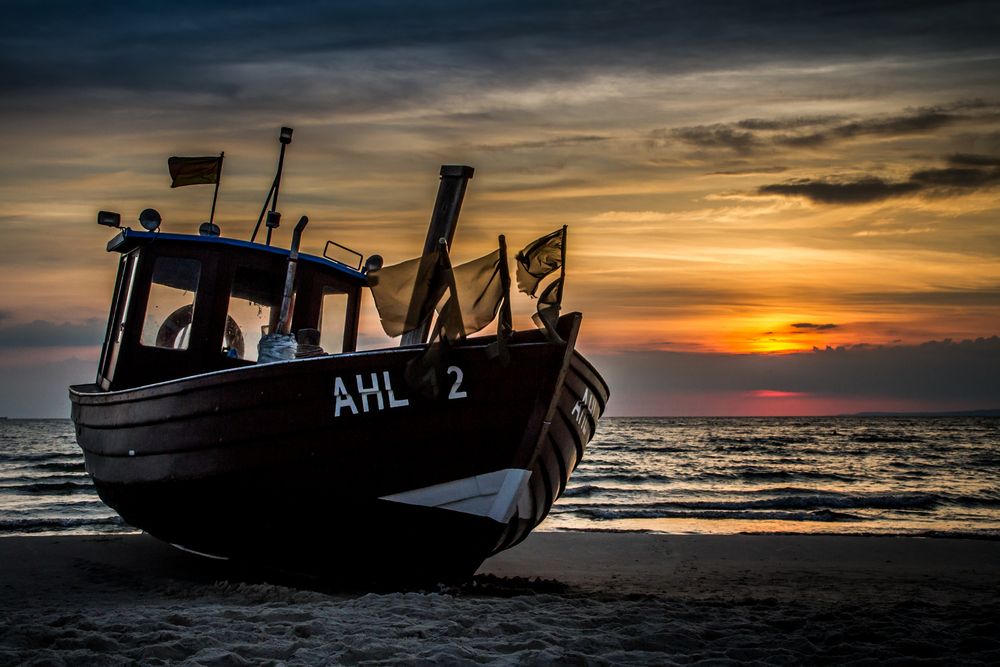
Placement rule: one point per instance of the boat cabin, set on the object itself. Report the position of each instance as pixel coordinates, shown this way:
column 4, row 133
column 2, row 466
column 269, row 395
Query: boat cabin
column 185, row 305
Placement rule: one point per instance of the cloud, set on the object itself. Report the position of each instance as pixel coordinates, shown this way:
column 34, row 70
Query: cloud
column 815, row 327
column 41, row 333
column 860, row 191
column 919, row 122
column 866, row 189
column 787, row 123
column 942, row 371
column 714, row 136
column 181, row 59
column 544, row 143
column 39, row 390
column 957, row 177
column 750, row 171
column 944, row 297
column 970, row 159
column 749, row 135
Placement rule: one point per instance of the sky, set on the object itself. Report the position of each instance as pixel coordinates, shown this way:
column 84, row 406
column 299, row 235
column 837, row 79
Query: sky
column 773, row 208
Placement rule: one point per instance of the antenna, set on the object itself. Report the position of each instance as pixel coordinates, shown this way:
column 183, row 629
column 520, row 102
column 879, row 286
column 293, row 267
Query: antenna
column 273, row 217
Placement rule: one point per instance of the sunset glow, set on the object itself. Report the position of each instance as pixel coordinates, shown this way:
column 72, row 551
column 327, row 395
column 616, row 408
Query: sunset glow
column 832, row 186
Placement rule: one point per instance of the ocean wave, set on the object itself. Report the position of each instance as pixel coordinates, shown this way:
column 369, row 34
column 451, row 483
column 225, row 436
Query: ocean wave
column 802, row 502
column 974, row 501
column 758, row 474
column 59, row 466
column 31, row 457
column 584, row 491
column 35, row 468
column 885, row 437
column 615, row 514
column 38, row 525
column 52, row 488
column 749, row 442
column 583, row 474
column 815, row 501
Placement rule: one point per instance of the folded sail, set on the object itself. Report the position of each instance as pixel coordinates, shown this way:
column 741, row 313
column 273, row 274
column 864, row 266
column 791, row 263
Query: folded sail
column 407, row 293
column 480, row 291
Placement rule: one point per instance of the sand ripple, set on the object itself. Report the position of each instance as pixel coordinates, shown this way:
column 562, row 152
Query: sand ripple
column 253, row 624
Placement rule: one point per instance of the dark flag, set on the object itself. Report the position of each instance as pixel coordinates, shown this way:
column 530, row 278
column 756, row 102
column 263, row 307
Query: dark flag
column 194, row 170
column 548, row 309
column 539, row 259
column 534, row 263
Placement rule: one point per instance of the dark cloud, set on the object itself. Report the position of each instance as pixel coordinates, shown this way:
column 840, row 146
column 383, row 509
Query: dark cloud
column 51, row 334
column 899, row 125
column 957, row 177
column 934, row 371
column 544, row 143
column 891, row 126
column 749, row 171
column 867, row 189
column 972, row 160
column 815, row 327
column 229, row 50
column 39, row 390
column 715, row 136
column 987, row 297
column 787, row 123
column 810, row 140
column 861, row 191
column 752, row 134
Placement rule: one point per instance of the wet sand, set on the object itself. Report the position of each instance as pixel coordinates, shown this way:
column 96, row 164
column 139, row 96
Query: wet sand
column 587, row 598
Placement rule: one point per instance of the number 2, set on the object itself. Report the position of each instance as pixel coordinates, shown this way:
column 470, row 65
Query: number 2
column 456, row 387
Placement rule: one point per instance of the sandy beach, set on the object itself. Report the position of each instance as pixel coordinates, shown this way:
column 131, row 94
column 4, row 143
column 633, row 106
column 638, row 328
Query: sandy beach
column 578, row 598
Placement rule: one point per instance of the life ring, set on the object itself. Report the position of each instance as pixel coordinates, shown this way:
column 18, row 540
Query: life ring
column 170, row 331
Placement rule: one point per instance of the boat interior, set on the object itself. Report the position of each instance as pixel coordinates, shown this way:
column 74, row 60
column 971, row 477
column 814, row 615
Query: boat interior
column 185, row 305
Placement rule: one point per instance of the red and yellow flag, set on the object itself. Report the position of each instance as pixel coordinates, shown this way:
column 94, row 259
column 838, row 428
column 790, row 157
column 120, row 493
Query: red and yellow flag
column 194, row 170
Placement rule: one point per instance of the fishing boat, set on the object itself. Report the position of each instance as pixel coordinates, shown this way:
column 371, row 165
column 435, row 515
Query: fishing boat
column 334, row 463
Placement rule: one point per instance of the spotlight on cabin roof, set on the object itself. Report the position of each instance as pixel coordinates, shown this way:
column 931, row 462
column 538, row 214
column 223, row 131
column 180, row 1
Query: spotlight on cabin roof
column 373, row 263
column 109, row 219
column 209, row 229
column 150, row 219
column 285, row 136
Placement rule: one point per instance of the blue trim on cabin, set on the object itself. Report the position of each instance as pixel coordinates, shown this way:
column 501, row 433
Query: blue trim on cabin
column 130, row 238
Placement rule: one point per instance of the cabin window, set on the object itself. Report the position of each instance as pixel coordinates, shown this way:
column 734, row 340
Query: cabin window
column 333, row 317
column 253, row 310
column 170, row 309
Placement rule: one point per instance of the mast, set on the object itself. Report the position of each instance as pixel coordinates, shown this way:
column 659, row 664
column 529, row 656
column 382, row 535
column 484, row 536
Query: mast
column 444, row 220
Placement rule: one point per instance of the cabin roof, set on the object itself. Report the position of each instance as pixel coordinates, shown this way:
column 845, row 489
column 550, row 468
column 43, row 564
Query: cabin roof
column 128, row 239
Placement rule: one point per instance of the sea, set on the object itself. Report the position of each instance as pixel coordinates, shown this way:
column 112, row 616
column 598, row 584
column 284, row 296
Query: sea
column 925, row 476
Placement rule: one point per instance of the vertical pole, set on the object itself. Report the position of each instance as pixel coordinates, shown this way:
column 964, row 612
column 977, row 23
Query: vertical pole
column 562, row 272
column 263, row 210
column 218, row 180
column 277, row 179
column 285, row 138
column 444, row 219
column 285, row 314
column 275, row 187
column 505, row 323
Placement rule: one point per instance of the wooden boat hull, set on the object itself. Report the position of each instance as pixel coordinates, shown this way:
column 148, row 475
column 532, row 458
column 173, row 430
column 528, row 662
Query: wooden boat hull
column 333, row 465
